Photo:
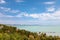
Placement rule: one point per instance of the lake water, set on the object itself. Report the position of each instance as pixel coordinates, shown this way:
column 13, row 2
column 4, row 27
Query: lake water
column 49, row 30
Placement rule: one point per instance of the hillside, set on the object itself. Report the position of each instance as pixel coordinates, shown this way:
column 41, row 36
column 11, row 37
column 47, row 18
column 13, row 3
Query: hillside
column 12, row 33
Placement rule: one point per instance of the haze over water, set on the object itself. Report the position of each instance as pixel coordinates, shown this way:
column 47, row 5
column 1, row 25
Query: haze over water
column 49, row 30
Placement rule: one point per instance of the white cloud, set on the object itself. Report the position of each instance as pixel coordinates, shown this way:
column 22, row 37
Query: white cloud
column 57, row 14
column 5, row 9
column 8, row 22
column 50, row 9
column 45, row 16
column 22, row 14
column 14, row 11
column 2, row 1
column 19, row 1
column 19, row 15
column 2, row 15
column 9, row 10
column 34, row 15
column 49, row 2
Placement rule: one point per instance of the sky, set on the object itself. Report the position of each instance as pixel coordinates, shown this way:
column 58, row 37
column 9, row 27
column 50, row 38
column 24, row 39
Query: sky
column 40, row 12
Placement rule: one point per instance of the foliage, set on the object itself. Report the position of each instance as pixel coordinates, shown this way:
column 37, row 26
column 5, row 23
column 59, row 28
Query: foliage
column 12, row 33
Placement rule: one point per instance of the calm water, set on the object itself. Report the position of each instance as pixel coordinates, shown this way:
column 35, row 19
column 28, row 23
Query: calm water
column 49, row 30
column 41, row 28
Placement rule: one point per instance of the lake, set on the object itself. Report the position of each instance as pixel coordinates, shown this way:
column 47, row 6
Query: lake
column 49, row 30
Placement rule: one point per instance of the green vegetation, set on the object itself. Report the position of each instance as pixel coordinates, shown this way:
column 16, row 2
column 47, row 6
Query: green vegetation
column 12, row 33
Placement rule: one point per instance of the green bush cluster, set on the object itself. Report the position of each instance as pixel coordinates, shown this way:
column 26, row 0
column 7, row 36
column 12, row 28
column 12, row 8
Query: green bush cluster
column 12, row 33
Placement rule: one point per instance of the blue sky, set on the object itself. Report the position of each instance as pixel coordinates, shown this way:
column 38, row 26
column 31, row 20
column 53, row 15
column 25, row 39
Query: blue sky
column 41, row 12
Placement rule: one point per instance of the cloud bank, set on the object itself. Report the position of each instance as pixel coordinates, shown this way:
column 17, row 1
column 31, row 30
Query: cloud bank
column 2, row 1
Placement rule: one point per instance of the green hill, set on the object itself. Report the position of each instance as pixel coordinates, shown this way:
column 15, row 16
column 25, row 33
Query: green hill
column 12, row 33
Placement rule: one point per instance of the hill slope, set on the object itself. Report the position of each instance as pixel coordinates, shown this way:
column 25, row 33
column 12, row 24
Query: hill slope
column 12, row 33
